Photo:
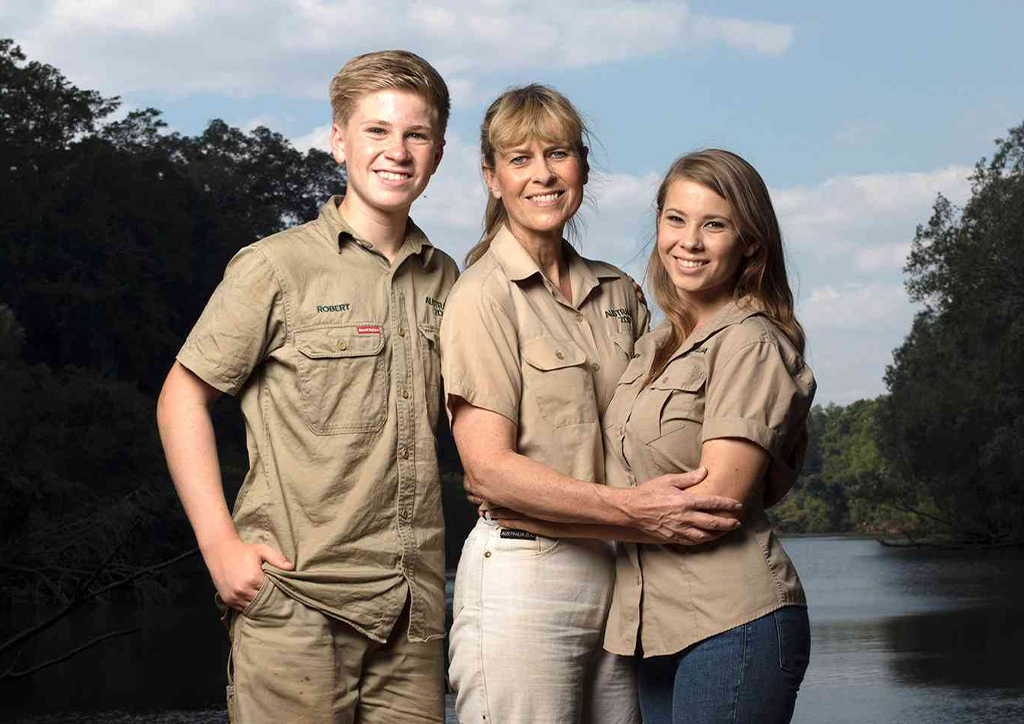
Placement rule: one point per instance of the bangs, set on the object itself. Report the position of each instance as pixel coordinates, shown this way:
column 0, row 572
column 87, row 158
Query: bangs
column 521, row 123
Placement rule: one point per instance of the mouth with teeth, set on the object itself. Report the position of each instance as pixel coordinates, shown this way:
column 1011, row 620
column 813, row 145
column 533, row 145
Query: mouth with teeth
column 393, row 176
column 690, row 263
column 546, row 199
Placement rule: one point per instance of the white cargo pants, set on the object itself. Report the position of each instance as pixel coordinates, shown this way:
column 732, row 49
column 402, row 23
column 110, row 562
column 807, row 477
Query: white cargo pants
column 526, row 638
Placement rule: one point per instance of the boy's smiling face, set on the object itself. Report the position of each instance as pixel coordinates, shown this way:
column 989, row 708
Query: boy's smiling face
column 391, row 146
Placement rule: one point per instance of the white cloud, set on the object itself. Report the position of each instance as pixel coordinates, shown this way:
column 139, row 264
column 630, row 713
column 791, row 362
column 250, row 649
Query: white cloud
column 292, row 47
column 319, row 137
column 760, row 37
column 869, row 218
column 852, row 306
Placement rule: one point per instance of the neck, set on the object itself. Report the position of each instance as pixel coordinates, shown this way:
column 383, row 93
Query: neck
column 547, row 251
column 385, row 231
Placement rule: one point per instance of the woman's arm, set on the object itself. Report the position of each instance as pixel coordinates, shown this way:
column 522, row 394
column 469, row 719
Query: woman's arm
column 660, row 508
column 736, row 469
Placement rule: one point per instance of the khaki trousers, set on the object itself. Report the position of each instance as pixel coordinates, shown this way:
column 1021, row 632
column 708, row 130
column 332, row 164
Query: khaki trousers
column 291, row 663
column 526, row 639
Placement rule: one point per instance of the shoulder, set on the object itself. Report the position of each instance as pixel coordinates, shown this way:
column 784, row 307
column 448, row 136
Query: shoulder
column 481, row 282
column 759, row 343
column 291, row 247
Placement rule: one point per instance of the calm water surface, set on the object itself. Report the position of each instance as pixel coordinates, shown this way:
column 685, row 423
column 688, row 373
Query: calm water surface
column 908, row 635
column 898, row 636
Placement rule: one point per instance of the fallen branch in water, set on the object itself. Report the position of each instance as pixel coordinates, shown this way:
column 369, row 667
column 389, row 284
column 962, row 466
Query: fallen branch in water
column 81, row 595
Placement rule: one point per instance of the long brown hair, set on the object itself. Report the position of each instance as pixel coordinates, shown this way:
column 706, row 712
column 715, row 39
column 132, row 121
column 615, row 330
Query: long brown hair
column 762, row 276
column 520, row 114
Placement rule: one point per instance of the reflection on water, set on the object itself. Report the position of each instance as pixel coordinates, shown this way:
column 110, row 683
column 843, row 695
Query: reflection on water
column 906, row 635
column 898, row 635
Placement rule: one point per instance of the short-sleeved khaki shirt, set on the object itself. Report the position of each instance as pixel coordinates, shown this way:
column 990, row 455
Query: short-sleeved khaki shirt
column 737, row 376
column 511, row 343
column 334, row 353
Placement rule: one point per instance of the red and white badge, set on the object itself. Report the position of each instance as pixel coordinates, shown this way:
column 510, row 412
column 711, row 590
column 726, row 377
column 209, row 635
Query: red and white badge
column 368, row 330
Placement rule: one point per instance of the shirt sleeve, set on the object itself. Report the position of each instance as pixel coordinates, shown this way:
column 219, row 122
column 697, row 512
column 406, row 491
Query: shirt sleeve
column 756, row 396
column 480, row 354
column 242, row 323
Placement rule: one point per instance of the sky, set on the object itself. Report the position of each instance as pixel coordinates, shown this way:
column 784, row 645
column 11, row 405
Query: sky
column 857, row 114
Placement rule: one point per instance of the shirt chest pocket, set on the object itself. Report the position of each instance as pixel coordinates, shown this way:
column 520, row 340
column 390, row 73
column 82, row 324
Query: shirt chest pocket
column 342, row 378
column 678, row 395
column 556, row 376
column 431, row 354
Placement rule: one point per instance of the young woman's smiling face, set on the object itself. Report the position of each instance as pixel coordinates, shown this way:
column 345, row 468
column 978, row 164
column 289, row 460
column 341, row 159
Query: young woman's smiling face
column 541, row 185
column 700, row 246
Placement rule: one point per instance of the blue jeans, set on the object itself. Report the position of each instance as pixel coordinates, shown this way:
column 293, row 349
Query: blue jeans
column 750, row 673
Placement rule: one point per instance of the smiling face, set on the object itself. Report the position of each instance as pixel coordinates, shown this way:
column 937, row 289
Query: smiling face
column 700, row 246
column 391, row 145
column 540, row 184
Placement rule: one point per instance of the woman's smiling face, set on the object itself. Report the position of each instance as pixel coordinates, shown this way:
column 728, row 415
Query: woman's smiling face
column 540, row 184
column 700, row 246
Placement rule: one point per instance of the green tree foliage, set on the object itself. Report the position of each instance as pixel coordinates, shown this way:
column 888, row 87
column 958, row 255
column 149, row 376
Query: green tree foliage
column 953, row 427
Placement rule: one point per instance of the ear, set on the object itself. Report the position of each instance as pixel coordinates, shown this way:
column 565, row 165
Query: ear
column 586, row 164
column 492, row 182
column 751, row 250
column 438, row 155
column 338, row 143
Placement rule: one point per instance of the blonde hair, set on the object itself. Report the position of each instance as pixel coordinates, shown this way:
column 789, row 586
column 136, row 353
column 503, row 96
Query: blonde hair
column 387, row 70
column 521, row 114
column 762, row 276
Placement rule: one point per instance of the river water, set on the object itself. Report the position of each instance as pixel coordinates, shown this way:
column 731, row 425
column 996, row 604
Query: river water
column 898, row 635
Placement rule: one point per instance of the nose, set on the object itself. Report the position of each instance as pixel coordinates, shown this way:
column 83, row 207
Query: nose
column 541, row 170
column 691, row 240
column 398, row 151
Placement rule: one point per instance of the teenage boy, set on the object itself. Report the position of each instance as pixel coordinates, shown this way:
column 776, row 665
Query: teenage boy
column 332, row 568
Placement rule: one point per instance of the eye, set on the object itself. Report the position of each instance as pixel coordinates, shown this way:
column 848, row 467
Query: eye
column 559, row 154
column 419, row 136
column 674, row 218
column 715, row 225
column 518, row 160
column 377, row 131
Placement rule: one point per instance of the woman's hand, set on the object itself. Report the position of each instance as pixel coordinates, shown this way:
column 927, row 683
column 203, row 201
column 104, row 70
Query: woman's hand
column 665, row 510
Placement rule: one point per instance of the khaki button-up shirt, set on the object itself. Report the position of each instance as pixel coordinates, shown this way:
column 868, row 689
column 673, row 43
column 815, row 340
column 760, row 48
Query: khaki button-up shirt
column 514, row 345
column 334, row 354
column 737, row 376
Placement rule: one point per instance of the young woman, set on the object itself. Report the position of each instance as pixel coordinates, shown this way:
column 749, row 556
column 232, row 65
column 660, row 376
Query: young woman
column 721, row 628
column 533, row 341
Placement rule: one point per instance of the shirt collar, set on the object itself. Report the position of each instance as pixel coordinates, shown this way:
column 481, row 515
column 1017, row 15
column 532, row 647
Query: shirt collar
column 735, row 312
column 519, row 265
column 340, row 231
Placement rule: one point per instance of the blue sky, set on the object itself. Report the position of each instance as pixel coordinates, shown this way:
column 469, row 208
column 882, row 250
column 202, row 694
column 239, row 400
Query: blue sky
column 856, row 114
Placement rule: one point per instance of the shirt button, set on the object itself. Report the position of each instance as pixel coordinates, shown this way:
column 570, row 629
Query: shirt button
column 405, row 393
column 596, row 367
column 405, row 453
column 401, row 331
column 559, row 355
column 342, row 344
column 487, row 554
column 579, row 318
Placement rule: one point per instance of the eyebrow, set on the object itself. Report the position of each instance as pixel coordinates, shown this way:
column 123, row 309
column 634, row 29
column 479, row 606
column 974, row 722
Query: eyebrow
column 674, row 210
